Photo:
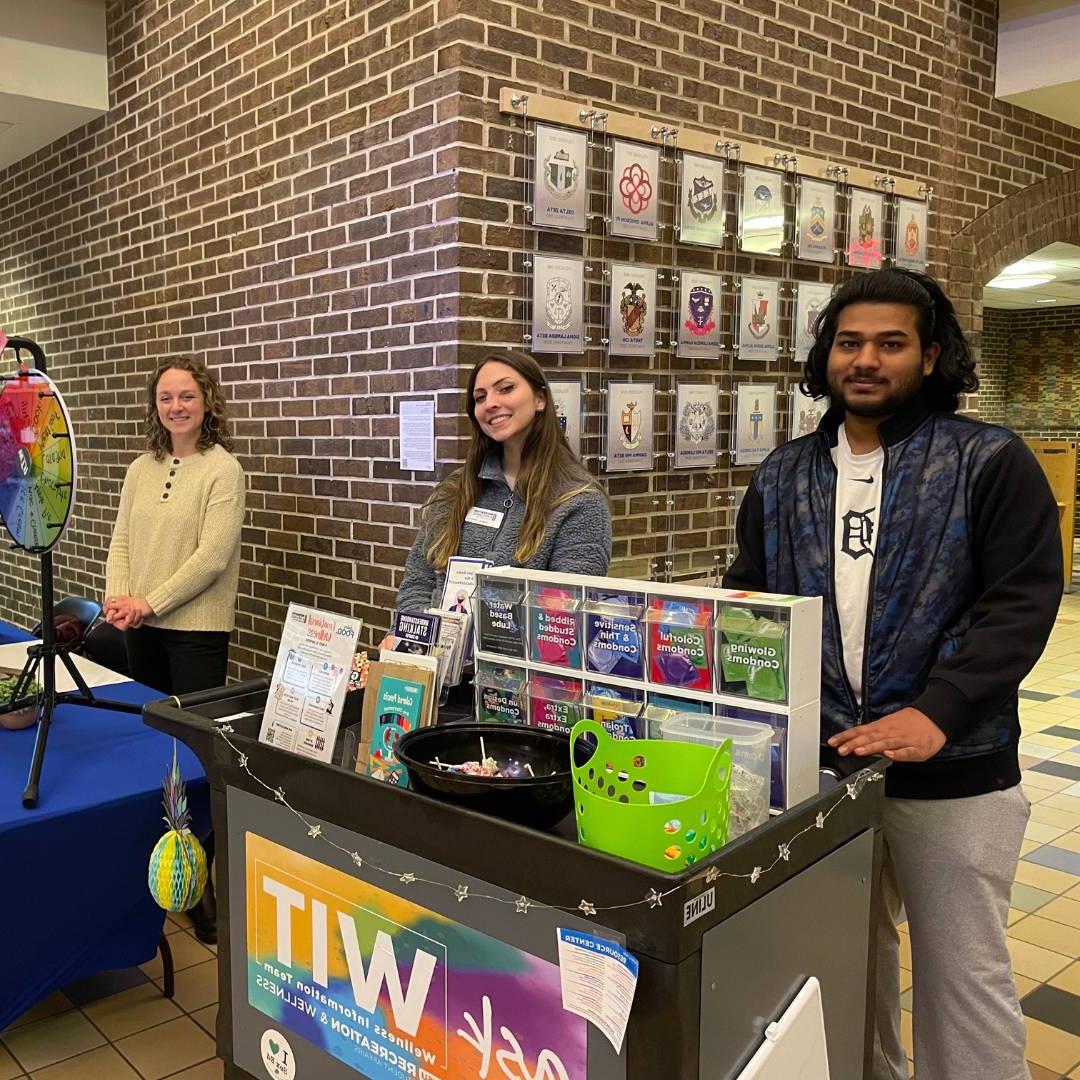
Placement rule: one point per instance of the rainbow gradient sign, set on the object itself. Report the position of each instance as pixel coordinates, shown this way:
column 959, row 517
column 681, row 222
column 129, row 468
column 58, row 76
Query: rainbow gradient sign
column 394, row 990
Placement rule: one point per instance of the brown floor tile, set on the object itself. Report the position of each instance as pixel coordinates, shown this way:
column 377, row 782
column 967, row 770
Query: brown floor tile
column 1069, row 979
column 186, row 953
column 197, row 987
column 9, row 1068
column 50, row 1006
column 131, row 1011
column 1050, row 1047
column 101, row 1064
column 1063, row 910
column 1055, row 936
column 208, row 1070
column 168, row 1048
column 46, row 1042
column 207, row 1019
column 1039, row 1073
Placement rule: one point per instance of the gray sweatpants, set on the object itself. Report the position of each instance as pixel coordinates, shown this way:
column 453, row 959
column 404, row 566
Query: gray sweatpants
column 951, row 862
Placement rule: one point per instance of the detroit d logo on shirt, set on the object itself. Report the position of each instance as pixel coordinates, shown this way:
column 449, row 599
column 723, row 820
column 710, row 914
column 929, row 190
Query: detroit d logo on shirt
column 858, row 533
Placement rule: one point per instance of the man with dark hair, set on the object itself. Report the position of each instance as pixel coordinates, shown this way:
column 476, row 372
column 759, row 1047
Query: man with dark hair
column 934, row 542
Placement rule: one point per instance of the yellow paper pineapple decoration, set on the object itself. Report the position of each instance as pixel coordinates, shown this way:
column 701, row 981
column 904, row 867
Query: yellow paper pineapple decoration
column 178, row 863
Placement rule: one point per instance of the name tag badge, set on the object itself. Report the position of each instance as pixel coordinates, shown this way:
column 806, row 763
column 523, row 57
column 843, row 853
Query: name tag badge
column 490, row 519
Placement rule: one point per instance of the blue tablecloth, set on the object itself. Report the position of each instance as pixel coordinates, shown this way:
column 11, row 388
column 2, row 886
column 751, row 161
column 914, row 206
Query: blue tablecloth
column 9, row 633
column 75, row 898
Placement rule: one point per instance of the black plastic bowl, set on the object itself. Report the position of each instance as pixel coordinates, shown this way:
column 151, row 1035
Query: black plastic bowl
column 540, row 801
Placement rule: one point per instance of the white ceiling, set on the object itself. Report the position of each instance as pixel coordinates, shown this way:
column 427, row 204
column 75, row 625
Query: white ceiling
column 1064, row 290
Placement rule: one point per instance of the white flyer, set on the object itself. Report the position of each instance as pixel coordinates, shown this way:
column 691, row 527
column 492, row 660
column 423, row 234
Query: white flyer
column 566, row 401
column 416, row 435
column 815, row 221
column 635, row 190
column 632, row 310
column 460, row 583
column 866, row 225
column 701, row 200
column 910, row 234
column 558, row 315
column 759, row 319
column 810, row 300
column 696, row 427
column 598, row 980
column 311, row 678
column 559, row 188
column 630, row 426
column 755, row 422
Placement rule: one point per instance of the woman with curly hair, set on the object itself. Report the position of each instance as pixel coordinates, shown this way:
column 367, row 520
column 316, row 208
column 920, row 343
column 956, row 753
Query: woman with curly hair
column 174, row 560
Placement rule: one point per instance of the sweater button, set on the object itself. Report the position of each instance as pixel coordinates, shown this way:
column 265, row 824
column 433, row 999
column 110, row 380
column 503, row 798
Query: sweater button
column 172, row 472
column 168, row 485
column 176, row 461
column 165, row 495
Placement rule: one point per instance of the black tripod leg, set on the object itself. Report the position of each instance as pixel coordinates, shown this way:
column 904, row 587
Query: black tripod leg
column 30, row 794
column 77, row 678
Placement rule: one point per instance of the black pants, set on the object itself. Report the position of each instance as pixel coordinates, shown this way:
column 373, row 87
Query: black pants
column 177, row 661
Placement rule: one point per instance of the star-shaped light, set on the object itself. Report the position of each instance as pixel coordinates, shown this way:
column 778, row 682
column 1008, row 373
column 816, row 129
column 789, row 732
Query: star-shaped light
column 819, row 821
column 654, row 899
column 280, row 795
column 586, row 908
column 461, row 892
column 711, row 875
column 228, row 728
column 852, row 791
column 314, row 831
column 355, row 856
column 407, row 878
column 755, row 874
column 522, row 905
column 784, row 852
column 243, row 760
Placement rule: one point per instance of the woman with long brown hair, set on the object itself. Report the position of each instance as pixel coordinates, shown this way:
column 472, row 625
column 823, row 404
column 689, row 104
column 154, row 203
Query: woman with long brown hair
column 521, row 499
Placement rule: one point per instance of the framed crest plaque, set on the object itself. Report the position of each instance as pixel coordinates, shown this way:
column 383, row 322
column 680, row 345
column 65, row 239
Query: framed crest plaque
column 566, row 401
column 810, row 301
column 700, row 303
column 630, row 426
column 815, row 221
column 909, row 235
column 632, row 310
column 558, row 302
column 754, row 436
column 559, row 178
column 761, row 211
column 697, row 428
column 635, row 190
column 701, row 200
column 866, row 225
column 759, row 319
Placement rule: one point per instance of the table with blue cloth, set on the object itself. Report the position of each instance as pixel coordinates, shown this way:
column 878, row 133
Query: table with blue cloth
column 75, row 899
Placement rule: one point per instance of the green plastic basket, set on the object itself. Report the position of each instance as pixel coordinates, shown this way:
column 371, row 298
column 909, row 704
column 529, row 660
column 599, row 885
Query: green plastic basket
column 657, row 802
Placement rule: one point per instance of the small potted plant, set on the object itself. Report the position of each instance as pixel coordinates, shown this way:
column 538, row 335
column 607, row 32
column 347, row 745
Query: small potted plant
column 21, row 718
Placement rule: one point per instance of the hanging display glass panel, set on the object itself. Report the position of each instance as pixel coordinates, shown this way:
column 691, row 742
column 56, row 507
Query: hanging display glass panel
column 761, row 211
column 696, row 428
column 559, row 178
column 701, row 200
column 630, row 426
column 909, row 236
column 866, row 223
column 754, row 436
column 810, row 301
column 759, row 319
column 700, row 298
column 558, row 315
column 806, row 412
column 815, row 221
column 632, row 310
column 566, row 401
column 635, row 190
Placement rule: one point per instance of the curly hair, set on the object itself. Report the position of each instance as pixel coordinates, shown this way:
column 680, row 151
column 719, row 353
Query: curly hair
column 215, row 428
column 954, row 372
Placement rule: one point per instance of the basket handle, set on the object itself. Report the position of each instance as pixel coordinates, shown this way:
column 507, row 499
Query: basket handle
column 585, row 726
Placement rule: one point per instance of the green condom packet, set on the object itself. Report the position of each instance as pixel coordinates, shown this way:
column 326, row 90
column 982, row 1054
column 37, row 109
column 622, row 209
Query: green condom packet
column 753, row 652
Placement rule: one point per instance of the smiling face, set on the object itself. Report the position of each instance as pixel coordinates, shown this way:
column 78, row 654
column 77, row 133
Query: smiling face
column 180, row 405
column 504, row 403
column 877, row 363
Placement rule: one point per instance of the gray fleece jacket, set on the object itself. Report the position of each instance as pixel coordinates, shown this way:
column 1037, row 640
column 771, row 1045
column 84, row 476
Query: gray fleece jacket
column 577, row 539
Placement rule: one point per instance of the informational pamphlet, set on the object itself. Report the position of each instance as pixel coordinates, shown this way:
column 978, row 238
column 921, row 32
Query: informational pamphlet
column 311, row 678
column 598, row 982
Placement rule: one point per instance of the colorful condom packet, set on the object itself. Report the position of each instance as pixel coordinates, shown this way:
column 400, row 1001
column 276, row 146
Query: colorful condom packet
column 753, row 652
column 613, row 637
column 616, row 709
column 555, row 627
column 554, row 704
column 680, row 643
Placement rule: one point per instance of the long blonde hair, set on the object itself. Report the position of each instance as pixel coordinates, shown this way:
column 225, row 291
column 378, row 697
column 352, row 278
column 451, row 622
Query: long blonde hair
column 550, row 474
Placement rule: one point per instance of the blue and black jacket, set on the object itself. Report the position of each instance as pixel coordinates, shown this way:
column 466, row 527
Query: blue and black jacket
column 966, row 583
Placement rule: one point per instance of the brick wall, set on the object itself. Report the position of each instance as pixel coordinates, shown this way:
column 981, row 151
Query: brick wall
column 323, row 200
column 1030, row 367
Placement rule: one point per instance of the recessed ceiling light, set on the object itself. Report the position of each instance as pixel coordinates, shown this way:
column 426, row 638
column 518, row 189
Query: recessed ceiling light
column 1052, row 300
column 1028, row 266
column 1019, row 281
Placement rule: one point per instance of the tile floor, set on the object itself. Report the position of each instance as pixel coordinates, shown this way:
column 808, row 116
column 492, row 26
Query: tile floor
column 117, row 1026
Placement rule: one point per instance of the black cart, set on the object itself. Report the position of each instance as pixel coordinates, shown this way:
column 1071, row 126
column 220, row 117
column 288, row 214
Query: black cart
column 343, row 901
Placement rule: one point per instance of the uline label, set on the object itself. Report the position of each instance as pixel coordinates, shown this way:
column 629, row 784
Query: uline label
column 700, row 905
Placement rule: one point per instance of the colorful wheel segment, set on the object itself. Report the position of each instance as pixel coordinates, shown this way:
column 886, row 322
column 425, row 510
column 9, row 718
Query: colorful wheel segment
column 37, row 461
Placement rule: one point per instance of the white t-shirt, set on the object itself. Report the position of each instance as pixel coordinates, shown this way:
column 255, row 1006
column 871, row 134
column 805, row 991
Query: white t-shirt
column 858, row 504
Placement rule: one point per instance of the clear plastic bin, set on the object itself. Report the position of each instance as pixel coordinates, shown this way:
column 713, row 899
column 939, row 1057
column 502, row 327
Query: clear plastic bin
column 751, row 769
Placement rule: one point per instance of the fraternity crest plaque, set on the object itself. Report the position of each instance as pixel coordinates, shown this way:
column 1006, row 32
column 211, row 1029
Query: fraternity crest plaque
column 866, row 213
column 759, row 319
column 558, row 316
column 696, row 426
column 701, row 200
column 635, row 190
column 806, row 412
column 910, row 234
column 810, row 301
column 815, row 221
column 632, row 310
column 761, row 211
column 630, row 426
column 700, row 301
column 559, row 178
column 566, row 401
column 755, row 423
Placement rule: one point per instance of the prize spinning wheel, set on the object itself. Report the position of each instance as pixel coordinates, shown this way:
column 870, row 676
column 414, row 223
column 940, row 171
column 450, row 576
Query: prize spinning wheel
column 37, row 460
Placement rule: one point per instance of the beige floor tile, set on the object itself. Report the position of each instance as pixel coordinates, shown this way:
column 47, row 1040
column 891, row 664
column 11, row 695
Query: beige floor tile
column 905, row 951
column 9, row 1068
column 197, row 987
column 1055, row 742
column 1060, row 801
column 208, row 1070
column 131, row 1010
column 1028, row 846
column 1056, row 936
column 1034, row 961
column 1045, row 877
column 905, row 980
column 1024, row 985
column 1039, row 1073
column 1070, row 841
column 166, row 1049
column 48, row 1041
column 1040, row 833
column 1015, row 915
column 50, row 1006
column 1069, row 979
column 1051, row 1047
column 1062, row 910
column 104, row 1063
column 906, row 1036
column 187, row 952
column 1074, row 893
column 207, row 1019
column 1044, row 781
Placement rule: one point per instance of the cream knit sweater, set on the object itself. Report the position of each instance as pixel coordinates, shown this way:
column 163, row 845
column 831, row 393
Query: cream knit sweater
column 177, row 539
